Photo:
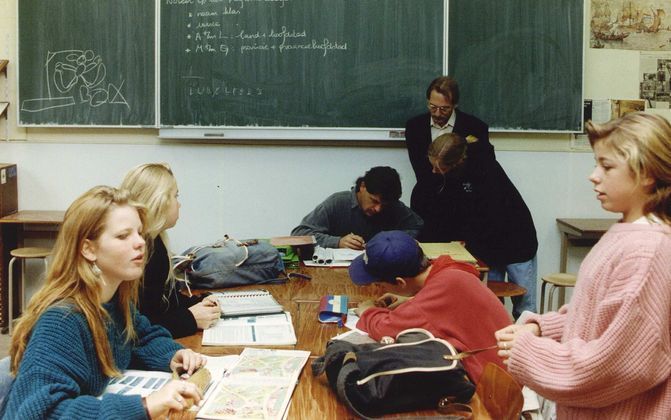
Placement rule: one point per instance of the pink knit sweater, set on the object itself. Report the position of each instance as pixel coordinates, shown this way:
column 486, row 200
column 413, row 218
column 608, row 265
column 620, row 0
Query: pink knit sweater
column 607, row 354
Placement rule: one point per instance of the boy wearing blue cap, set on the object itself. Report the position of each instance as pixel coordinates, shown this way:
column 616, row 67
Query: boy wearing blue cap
column 449, row 299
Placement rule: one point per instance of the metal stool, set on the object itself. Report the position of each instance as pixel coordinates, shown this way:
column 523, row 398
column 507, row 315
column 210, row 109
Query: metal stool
column 555, row 280
column 23, row 254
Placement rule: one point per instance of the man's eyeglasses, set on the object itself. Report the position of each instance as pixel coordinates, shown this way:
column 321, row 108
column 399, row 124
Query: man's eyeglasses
column 443, row 109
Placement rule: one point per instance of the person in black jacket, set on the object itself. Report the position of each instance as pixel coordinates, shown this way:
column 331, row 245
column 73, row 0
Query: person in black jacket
column 443, row 117
column 154, row 186
column 476, row 202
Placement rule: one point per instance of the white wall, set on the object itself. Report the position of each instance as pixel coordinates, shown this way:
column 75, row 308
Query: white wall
column 248, row 191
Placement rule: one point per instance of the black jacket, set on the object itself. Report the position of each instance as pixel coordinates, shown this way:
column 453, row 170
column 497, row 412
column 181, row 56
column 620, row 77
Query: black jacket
column 478, row 205
column 172, row 310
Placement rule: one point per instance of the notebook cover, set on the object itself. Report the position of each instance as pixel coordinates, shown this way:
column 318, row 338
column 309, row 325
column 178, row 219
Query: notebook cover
column 333, row 309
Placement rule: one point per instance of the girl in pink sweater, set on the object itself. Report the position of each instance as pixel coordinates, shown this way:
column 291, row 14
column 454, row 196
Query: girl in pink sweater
column 607, row 354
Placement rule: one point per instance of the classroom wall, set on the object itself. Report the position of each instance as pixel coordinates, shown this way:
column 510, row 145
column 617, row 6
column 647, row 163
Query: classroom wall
column 255, row 191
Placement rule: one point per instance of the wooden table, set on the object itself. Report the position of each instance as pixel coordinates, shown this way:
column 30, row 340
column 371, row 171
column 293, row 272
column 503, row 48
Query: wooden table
column 584, row 232
column 313, row 398
column 578, row 232
column 12, row 234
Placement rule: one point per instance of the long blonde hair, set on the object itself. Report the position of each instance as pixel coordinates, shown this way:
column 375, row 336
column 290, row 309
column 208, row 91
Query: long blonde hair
column 71, row 281
column 643, row 140
column 155, row 186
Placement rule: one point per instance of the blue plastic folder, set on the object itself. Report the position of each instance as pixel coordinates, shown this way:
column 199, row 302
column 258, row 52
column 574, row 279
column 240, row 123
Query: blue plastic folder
column 333, row 309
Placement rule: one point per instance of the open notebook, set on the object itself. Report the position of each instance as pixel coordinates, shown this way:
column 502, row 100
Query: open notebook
column 247, row 302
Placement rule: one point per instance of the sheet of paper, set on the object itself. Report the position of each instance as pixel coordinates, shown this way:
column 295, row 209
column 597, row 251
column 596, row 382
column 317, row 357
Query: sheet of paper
column 454, row 249
column 332, row 257
column 138, row 382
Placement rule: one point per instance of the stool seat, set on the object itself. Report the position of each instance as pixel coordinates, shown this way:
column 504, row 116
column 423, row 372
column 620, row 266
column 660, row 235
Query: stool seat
column 555, row 280
column 22, row 254
column 560, row 279
column 30, row 252
column 506, row 289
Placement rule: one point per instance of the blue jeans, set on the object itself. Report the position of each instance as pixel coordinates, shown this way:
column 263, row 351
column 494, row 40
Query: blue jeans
column 523, row 274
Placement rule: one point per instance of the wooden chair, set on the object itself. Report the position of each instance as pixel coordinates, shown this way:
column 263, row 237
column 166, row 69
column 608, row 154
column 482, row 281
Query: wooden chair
column 22, row 254
column 555, row 280
column 499, row 395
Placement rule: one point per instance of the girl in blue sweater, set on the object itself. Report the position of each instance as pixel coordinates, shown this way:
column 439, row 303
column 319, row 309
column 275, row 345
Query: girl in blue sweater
column 81, row 328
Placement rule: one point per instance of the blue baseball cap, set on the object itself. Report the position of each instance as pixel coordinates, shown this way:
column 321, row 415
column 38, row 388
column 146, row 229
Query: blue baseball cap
column 387, row 255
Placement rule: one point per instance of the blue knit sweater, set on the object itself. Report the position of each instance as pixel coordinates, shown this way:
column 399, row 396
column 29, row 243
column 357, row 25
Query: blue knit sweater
column 60, row 377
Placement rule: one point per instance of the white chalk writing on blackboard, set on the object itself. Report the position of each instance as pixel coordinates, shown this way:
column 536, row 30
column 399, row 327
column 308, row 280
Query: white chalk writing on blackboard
column 76, row 77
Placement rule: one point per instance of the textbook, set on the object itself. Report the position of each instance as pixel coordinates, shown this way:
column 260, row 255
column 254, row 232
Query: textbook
column 247, row 302
column 258, row 386
column 261, row 330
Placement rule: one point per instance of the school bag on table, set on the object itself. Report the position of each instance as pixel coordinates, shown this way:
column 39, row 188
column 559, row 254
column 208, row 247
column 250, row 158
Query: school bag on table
column 410, row 374
column 229, row 263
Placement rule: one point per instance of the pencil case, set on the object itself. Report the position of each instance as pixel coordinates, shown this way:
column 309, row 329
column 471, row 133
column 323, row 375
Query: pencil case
column 333, row 309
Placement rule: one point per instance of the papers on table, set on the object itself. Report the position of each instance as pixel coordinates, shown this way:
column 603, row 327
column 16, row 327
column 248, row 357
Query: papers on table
column 259, row 386
column 271, row 329
column 332, row 257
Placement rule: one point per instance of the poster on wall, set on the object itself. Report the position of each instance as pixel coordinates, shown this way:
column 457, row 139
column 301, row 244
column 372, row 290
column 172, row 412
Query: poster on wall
column 631, row 25
column 655, row 79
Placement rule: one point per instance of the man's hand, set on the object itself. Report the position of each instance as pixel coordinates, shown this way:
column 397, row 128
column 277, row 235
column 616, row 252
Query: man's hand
column 363, row 306
column 351, row 241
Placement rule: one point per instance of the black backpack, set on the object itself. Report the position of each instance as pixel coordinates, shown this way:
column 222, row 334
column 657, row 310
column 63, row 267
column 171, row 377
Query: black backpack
column 411, row 374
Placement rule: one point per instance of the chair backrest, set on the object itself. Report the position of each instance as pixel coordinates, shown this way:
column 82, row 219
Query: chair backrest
column 500, row 394
column 6, row 380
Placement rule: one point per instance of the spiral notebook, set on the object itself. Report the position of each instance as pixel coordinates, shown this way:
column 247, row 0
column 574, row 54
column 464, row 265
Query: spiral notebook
column 247, row 302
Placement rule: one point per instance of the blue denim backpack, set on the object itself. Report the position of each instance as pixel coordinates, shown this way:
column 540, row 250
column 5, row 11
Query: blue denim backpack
column 230, row 262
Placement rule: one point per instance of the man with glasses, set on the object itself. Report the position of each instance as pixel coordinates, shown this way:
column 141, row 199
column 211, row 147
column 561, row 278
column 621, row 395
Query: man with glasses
column 442, row 97
column 348, row 219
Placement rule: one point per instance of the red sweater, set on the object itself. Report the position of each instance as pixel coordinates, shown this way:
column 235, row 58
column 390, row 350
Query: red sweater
column 453, row 305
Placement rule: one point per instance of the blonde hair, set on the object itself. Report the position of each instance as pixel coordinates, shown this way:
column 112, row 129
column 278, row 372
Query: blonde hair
column 154, row 185
column 71, row 282
column 644, row 141
column 448, row 149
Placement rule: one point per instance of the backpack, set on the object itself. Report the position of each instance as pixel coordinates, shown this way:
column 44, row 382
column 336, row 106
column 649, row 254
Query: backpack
column 229, row 262
column 411, row 374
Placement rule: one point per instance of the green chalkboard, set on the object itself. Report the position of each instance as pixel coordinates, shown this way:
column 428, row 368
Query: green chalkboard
column 519, row 62
column 87, row 62
column 297, row 63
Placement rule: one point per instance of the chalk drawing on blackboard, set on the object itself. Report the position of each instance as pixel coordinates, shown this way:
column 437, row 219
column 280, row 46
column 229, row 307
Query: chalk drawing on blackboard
column 76, row 77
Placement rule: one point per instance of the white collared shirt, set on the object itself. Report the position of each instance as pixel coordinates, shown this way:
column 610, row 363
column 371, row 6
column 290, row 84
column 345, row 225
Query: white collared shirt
column 447, row 128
